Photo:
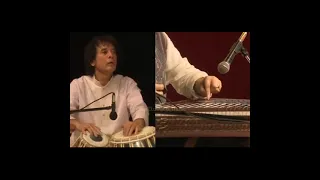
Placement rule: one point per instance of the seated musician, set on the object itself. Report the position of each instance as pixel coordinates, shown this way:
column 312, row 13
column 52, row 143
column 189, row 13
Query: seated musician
column 101, row 79
column 187, row 80
column 176, row 70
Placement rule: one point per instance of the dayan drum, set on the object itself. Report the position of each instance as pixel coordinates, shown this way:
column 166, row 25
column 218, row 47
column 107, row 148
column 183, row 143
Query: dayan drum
column 87, row 140
column 145, row 138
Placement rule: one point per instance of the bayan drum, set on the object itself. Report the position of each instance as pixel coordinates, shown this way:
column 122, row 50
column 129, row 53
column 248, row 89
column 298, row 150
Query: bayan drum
column 145, row 138
column 87, row 140
column 182, row 125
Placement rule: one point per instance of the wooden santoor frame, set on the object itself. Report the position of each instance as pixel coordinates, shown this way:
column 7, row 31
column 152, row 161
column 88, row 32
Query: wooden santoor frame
column 171, row 126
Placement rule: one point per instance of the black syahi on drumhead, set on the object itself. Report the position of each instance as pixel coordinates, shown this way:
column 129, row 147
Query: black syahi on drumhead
column 96, row 138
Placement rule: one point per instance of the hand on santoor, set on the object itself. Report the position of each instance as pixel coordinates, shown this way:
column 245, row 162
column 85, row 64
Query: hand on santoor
column 206, row 86
column 159, row 88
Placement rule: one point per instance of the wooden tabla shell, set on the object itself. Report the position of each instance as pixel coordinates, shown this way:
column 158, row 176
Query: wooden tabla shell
column 84, row 140
column 145, row 138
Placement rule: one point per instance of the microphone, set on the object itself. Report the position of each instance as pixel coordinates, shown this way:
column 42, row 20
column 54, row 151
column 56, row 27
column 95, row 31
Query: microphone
column 236, row 48
column 113, row 114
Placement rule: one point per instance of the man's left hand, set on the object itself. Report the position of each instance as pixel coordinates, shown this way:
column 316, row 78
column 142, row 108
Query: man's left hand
column 207, row 86
column 131, row 128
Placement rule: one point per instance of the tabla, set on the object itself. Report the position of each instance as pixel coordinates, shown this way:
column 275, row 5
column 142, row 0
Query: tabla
column 87, row 140
column 145, row 138
column 169, row 125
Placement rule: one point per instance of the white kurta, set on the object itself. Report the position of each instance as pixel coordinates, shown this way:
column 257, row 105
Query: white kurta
column 178, row 71
column 128, row 100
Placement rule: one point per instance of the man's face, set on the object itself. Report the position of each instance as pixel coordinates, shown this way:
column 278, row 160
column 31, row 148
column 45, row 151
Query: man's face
column 106, row 58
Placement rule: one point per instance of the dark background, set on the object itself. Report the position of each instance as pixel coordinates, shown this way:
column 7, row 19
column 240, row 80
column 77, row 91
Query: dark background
column 135, row 59
column 205, row 50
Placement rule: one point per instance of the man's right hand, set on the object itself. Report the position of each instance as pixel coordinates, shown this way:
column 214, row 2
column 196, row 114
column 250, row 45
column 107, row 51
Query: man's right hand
column 83, row 127
column 159, row 88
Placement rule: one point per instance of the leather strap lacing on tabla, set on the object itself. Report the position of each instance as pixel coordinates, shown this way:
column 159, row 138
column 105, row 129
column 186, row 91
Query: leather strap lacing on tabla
column 201, row 115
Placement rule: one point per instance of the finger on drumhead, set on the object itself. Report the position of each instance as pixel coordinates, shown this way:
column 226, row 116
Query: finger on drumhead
column 131, row 131
column 136, row 130
column 96, row 130
column 84, row 131
column 89, row 129
column 126, row 129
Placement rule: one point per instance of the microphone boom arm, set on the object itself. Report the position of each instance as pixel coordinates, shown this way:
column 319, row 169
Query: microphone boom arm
column 90, row 109
column 234, row 50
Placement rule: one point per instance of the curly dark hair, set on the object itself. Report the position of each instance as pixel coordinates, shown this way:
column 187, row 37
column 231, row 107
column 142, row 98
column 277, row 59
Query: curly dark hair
column 90, row 51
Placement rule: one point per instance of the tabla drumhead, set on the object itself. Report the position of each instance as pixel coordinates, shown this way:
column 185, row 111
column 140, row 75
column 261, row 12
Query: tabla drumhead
column 99, row 141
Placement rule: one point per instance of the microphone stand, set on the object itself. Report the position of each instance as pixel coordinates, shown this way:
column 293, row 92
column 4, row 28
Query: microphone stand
column 245, row 53
column 90, row 109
